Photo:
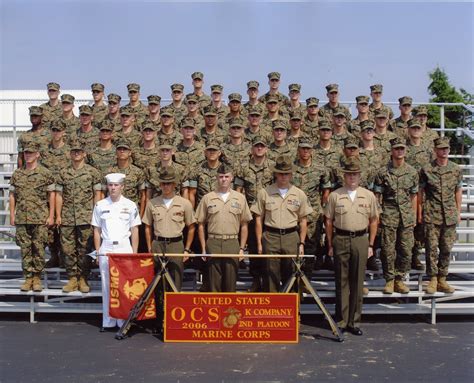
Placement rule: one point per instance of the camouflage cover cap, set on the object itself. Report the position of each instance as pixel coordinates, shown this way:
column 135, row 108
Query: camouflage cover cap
column 123, row 144
column 67, row 98
column 271, row 98
column 312, row 101
column 216, row 88
column 259, row 140
column 113, row 97
column 414, row 122
column 362, row 99
column 253, row 84
column 192, row 97
column 274, row 75
column 332, row 88
column 149, row 125
column 305, row 142
column 296, row 115
column 210, row 110
column 235, row 97
column 283, row 165
column 351, row 142
column 167, row 112
column 53, row 86
column 279, row 124
column 75, row 145
column 397, row 142
column 237, row 122
column 339, row 112
column 97, row 86
column 85, row 109
column 381, row 113
column 58, row 125
column 167, row 175
column 422, row 111
column 442, row 143
column 376, row 88
column 154, row 99
column 405, row 100
column 295, row 87
column 126, row 111
column 324, row 127
column 177, row 87
column 197, row 75
column 166, row 144
column 254, row 110
column 211, row 144
column 31, row 146
column 367, row 124
column 106, row 125
column 133, row 87
column 351, row 165
column 224, row 169
column 36, row 111
column 188, row 123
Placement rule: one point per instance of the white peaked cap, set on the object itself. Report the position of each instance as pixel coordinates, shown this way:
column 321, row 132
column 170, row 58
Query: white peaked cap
column 115, row 178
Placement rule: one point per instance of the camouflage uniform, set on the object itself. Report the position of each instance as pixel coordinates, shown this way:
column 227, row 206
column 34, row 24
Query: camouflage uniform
column 440, row 213
column 312, row 180
column 275, row 151
column 383, row 140
column 102, row 159
column 189, row 155
column 385, row 108
column 174, row 138
column 251, row 178
column 144, row 158
column 31, row 188
column 327, row 157
column 41, row 136
column 179, row 111
column 397, row 186
column 51, row 113
column 337, row 175
column 204, row 179
column 77, row 187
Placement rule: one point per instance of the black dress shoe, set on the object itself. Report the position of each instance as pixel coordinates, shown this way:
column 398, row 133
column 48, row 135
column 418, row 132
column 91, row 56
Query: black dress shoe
column 107, row 329
column 355, row 331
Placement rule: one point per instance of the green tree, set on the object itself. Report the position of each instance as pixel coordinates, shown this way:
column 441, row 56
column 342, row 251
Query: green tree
column 454, row 116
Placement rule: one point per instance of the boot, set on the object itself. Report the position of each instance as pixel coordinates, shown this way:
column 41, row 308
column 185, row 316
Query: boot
column 37, row 285
column 432, row 285
column 83, row 285
column 444, row 287
column 54, row 261
column 71, row 285
column 416, row 264
column 365, row 291
column 401, row 287
column 328, row 263
column 372, row 264
column 388, row 289
column 318, row 264
column 27, row 285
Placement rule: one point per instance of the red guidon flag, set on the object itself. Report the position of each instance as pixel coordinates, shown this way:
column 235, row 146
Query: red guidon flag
column 130, row 275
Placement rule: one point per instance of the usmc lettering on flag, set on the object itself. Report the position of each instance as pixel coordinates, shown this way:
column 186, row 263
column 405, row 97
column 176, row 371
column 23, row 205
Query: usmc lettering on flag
column 130, row 275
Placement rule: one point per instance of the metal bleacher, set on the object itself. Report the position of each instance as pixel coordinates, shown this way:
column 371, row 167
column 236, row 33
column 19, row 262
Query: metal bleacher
column 417, row 302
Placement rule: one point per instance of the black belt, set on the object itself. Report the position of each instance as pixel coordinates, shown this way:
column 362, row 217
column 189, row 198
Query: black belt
column 169, row 240
column 281, row 231
column 351, row 234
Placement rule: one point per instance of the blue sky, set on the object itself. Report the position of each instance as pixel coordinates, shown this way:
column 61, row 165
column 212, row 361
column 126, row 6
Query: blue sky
column 156, row 44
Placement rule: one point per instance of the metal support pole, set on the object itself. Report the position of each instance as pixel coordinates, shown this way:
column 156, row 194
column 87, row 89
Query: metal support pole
column 14, row 125
column 441, row 120
column 433, row 310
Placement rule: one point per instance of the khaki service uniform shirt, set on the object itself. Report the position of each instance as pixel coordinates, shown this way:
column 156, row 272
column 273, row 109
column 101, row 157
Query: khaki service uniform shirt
column 282, row 213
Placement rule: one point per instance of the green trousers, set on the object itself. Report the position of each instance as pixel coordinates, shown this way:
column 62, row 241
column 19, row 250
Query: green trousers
column 222, row 271
column 32, row 241
column 350, row 259
column 440, row 237
column 76, row 242
column 278, row 270
column 175, row 264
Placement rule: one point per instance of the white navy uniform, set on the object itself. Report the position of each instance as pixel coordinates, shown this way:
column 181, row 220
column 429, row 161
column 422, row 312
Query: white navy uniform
column 115, row 219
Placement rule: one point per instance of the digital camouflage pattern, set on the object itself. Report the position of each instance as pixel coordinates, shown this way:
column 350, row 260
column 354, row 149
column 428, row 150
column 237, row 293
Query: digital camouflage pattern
column 32, row 240
column 152, row 175
column 77, row 187
column 31, row 188
column 102, row 159
column 252, row 178
column 189, row 155
column 76, row 242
